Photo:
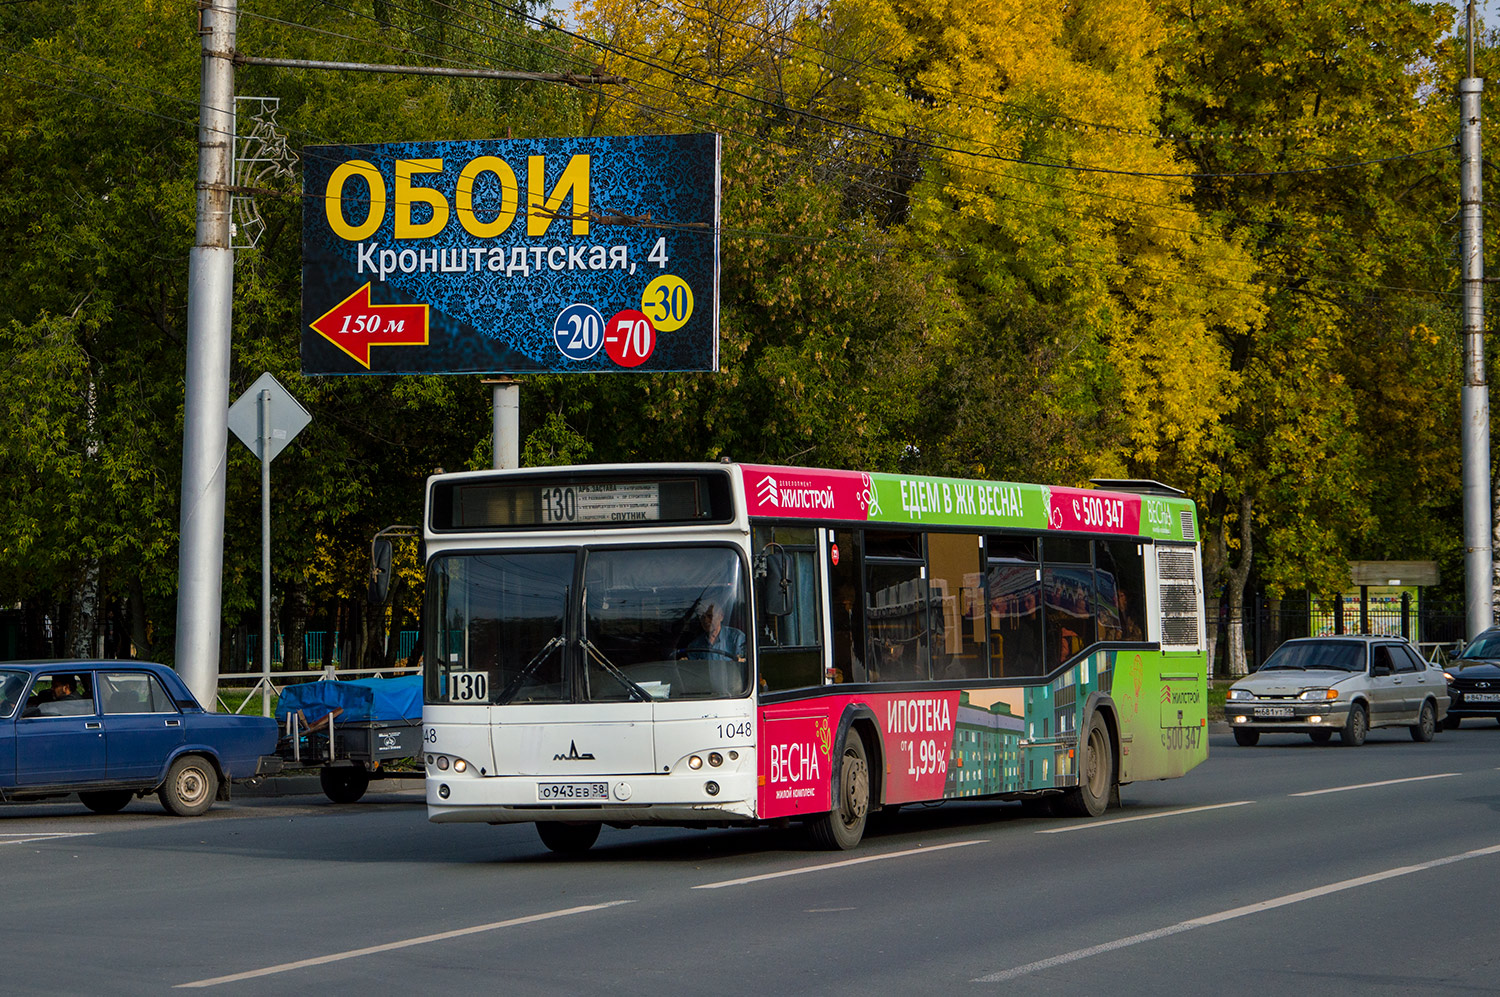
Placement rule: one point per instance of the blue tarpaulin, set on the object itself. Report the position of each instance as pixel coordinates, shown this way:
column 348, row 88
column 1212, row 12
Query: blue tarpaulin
column 362, row 700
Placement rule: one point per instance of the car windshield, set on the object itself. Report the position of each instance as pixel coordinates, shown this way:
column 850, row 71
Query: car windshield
column 634, row 624
column 11, row 684
column 1336, row 655
column 1484, row 646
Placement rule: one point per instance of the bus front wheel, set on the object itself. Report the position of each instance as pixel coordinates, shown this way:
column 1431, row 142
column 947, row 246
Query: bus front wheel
column 843, row 827
column 1096, row 773
column 568, row 839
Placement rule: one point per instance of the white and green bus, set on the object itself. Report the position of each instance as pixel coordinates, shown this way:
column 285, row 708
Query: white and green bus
column 717, row 644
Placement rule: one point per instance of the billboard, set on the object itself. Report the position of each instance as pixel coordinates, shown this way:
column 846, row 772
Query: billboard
column 512, row 256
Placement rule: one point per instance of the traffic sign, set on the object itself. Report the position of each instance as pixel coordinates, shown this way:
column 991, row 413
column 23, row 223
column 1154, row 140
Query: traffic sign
column 287, row 417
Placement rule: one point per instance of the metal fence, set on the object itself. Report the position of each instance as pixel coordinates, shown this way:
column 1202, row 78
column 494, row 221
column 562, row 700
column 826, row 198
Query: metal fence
column 321, row 647
column 1435, row 626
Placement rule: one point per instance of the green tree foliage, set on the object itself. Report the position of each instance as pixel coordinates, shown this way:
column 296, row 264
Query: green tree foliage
column 998, row 239
column 1342, row 441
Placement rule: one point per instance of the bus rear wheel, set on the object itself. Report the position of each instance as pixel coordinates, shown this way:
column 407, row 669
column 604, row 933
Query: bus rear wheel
column 843, row 827
column 1096, row 773
column 568, row 839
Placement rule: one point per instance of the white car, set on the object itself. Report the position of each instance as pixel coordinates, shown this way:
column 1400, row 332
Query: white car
column 1349, row 684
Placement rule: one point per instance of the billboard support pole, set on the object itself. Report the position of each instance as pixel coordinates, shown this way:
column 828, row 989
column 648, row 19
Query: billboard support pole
column 506, row 399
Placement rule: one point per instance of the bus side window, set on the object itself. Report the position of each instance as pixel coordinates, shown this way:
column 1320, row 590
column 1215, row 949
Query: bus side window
column 787, row 636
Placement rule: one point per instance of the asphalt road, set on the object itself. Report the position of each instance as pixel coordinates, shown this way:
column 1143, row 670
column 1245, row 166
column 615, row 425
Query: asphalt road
column 1288, row 867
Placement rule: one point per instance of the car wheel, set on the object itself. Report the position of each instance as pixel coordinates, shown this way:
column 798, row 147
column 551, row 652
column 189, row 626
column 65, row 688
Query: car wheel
column 344, row 783
column 106, row 801
column 1426, row 724
column 192, row 783
column 1356, row 727
column 1450, row 722
column 1320, row 736
column 843, row 827
column 568, row 839
column 1096, row 773
column 1246, row 738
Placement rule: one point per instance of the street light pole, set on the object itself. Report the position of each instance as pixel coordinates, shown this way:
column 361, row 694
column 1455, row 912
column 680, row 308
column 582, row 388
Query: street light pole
column 205, row 424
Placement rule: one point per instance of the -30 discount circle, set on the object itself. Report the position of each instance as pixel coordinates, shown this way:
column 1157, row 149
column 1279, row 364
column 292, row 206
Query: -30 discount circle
column 629, row 338
column 668, row 302
column 579, row 331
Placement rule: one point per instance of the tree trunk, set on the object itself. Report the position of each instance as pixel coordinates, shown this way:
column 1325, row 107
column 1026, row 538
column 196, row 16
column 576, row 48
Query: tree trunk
column 1214, row 555
column 294, row 625
column 140, row 635
column 83, row 613
column 393, row 639
column 1239, row 574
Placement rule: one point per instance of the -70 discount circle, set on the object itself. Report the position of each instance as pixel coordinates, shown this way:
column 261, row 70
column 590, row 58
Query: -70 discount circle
column 629, row 338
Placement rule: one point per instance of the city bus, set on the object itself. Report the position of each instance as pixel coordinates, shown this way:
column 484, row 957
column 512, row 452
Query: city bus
column 731, row 644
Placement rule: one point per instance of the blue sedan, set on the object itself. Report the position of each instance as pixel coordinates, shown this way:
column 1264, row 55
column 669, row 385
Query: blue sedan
column 113, row 730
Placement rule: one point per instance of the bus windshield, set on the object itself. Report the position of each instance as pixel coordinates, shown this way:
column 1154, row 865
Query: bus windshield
column 644, row 624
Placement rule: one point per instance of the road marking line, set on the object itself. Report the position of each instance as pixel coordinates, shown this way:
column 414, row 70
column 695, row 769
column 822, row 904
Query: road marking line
column 838, row 865
column 21, row 838
column 392, row 946
column 1372, row 785
column 1090, row 825
column 1231, row 914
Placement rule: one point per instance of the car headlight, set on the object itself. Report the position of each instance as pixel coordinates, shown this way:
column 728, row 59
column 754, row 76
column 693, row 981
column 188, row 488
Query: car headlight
column 1239, row 694
column 1319, row 695
column 1448, row 676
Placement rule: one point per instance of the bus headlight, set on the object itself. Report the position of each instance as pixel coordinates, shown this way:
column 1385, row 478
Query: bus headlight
column 459, row 765
column 695, row 763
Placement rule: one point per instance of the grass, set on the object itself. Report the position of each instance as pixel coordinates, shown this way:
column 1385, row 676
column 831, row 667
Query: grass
column 1216, row 690
column 231, row 698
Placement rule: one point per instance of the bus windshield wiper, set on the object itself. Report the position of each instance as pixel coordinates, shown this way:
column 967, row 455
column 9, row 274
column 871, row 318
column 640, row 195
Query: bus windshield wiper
column 509, row 692
column 634, row 688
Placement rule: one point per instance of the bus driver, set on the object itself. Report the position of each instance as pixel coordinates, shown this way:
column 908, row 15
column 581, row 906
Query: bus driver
column 715, row 640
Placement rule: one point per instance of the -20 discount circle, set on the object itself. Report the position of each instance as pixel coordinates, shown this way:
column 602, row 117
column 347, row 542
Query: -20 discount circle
column 629, row 338
column 579, row 331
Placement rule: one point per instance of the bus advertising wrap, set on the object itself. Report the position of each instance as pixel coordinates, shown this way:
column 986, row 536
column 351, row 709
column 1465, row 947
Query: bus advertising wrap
column 512, row 256
column 806, row 493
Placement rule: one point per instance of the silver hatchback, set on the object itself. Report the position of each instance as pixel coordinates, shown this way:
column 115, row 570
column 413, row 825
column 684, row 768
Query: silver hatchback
column 1348, row 684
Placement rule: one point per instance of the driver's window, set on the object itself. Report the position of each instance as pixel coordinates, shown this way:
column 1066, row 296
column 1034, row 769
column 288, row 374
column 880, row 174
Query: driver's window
column 1381, row 660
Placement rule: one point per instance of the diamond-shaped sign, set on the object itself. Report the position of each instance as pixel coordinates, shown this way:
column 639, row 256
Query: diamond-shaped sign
column 288, row 418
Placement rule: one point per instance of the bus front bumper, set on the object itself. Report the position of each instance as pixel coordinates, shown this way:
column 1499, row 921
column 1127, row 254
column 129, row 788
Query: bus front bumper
column 616, row 799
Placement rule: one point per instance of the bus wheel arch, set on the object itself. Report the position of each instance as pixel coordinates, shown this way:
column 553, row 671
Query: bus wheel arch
column 854, row 783
column 1097, row 771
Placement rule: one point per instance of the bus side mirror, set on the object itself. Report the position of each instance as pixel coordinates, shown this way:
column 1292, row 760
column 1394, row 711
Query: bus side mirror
column 776, row 583
column 380, row 570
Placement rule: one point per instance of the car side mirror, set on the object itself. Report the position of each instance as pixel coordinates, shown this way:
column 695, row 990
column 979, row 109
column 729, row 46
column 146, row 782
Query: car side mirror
column 380, row 570
column 1380, row 669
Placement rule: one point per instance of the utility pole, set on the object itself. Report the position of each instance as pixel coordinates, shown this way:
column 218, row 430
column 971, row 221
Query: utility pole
column 1475, row 394
column 205, row 423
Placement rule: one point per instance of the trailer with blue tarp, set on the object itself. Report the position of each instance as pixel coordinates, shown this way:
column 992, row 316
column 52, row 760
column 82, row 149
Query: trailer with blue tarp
column 352, row 730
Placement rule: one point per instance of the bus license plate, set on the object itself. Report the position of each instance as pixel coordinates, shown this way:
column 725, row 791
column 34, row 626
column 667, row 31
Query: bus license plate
column 572, row 791
column 1273, row 711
